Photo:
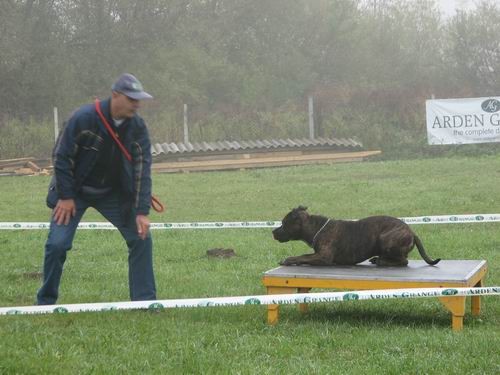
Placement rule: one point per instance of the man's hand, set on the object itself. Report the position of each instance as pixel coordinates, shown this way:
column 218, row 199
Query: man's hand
column 142, row 222
column 65, row 209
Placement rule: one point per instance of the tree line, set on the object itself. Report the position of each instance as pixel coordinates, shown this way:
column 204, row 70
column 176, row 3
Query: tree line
column 246, row 68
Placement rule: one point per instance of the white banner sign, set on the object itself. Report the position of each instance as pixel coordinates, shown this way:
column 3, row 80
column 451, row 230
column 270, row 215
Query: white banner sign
column 460, row 121
column 269, row 299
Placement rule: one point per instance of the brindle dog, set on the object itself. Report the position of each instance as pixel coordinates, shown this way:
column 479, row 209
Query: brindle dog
column 385, row 240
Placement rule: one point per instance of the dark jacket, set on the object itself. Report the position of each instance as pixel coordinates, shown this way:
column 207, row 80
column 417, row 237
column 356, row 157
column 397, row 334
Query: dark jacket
column 77, row 150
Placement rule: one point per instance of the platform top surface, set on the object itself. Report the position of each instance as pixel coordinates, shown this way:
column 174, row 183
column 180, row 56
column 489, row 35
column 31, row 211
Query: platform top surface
column 417, row 271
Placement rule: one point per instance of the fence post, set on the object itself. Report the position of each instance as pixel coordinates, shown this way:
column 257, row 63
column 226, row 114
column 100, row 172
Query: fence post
column 311, row 118
column 186, row 130
column 56, row 125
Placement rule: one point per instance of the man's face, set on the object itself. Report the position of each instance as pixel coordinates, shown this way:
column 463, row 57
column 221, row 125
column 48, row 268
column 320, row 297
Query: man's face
column 122, row 106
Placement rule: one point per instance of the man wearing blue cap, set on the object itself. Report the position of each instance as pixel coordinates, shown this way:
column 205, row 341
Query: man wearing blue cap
column 90, row 170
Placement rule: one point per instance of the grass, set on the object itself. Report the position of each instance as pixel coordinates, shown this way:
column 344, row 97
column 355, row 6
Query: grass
column 368, row 337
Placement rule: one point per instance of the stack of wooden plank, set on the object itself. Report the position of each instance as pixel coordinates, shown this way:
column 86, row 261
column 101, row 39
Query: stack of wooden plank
column 249, row 161
column 28, row 166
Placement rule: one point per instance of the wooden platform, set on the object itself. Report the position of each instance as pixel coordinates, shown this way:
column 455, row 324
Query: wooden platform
column 366, row 276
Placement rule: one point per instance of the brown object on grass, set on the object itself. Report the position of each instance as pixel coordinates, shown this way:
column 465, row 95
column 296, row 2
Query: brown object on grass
column 221, row 253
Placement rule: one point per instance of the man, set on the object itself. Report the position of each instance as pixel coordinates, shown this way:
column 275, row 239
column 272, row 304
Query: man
column 90, row 170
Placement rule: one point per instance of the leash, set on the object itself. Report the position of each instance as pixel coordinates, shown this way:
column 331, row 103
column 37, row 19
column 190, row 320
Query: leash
column 155, row 202
column 316, row 235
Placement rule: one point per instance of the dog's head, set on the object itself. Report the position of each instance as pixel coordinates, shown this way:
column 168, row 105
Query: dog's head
column 291, row 225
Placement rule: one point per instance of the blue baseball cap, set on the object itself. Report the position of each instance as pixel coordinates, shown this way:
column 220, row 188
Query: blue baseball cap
column 130, row 86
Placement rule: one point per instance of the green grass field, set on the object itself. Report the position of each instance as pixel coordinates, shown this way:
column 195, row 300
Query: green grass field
column 364, row 337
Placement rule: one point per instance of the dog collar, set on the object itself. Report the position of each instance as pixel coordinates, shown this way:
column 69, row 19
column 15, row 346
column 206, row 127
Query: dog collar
column 318, row 232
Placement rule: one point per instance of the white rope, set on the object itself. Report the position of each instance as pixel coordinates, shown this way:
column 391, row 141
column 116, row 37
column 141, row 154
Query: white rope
column 441, row 219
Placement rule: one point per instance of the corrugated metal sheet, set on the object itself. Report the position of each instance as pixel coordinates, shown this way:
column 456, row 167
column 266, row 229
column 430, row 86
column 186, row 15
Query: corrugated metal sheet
column 266, row 144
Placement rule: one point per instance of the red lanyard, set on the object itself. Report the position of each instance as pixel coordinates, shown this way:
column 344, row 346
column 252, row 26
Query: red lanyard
column 155, row 202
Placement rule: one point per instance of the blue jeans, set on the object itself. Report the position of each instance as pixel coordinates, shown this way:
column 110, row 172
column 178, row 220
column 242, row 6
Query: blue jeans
column 60, row 239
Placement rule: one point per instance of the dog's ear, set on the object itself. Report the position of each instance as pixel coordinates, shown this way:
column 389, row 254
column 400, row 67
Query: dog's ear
column 300, row 208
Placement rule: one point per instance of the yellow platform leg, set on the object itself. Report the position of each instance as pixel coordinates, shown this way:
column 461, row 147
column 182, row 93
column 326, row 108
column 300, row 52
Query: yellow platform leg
column 476, row 301
column 303, row 307
column 456, row 305
column 273, row 310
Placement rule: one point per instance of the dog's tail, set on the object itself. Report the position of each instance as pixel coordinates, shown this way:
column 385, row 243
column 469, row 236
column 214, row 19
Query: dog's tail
column 423, row 254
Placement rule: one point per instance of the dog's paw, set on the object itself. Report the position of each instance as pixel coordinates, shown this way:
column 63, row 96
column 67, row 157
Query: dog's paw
column 285, row 262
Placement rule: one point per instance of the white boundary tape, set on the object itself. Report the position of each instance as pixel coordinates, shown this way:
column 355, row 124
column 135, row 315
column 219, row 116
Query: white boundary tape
column 441, row 219
column 280, row 299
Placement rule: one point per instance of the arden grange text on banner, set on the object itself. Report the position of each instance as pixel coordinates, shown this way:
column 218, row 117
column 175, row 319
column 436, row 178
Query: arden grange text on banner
column 460, row 121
